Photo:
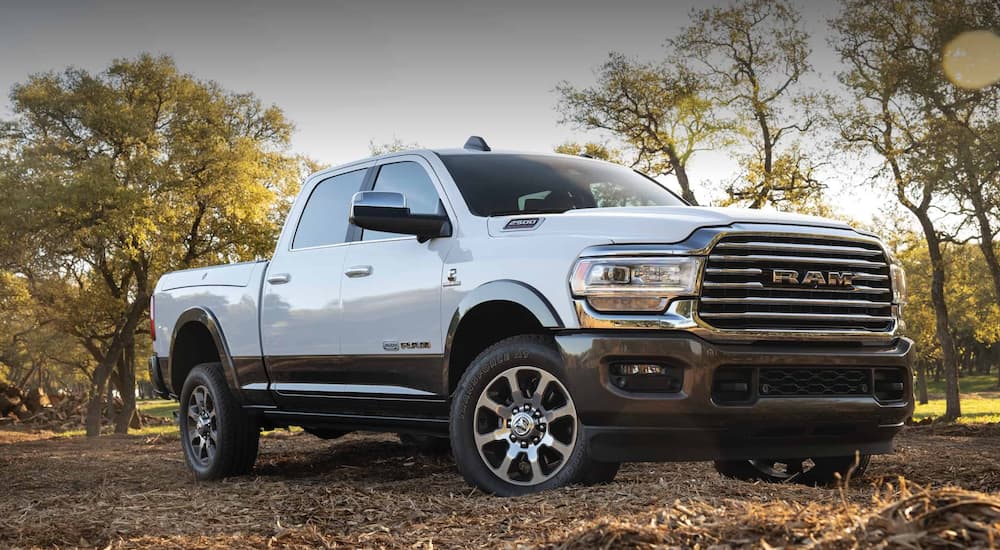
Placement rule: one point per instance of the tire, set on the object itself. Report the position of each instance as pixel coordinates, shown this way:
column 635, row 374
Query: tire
column 821, row 471
column 495, row 433
column 426, row 444
column 219, row 439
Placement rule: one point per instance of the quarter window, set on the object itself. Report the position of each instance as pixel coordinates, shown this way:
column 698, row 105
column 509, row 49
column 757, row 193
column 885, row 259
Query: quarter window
column 324, row 220
column 410, row 179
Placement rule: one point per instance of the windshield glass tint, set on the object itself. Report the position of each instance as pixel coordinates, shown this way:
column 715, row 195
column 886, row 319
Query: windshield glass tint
column 497, row 183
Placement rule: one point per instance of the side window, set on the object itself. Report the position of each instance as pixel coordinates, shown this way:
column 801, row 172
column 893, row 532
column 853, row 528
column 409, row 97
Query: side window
column 325, row 218
column 410, row 179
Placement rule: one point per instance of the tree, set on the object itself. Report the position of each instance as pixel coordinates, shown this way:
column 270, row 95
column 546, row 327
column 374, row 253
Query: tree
column 591, row 149
column 118, row 176
column 657, row 111
column 396, row 145
column 751, row 55
column 892, row 52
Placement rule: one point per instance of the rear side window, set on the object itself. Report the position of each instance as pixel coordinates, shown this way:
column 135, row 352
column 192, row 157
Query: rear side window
column 410, row 179
column 324, row 220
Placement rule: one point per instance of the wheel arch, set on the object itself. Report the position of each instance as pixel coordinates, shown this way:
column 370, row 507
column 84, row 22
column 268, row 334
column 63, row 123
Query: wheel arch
column 473, row 325
column 198, row 338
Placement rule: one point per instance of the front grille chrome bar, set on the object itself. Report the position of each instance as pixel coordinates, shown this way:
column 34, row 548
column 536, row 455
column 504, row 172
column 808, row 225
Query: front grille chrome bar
column 801, row 260
column 798, row 316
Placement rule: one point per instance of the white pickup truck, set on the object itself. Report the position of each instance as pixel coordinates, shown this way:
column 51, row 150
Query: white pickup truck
column 549, row 317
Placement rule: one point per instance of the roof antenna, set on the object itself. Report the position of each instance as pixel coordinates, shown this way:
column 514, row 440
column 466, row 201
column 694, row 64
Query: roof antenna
column 476, row 143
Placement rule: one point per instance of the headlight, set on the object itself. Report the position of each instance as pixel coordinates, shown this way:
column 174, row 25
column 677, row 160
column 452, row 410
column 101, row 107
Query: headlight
column 634, row 284
column 898, row 283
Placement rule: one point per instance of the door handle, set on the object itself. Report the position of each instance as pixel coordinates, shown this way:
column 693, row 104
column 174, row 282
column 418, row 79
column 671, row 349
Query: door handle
column 279, row 278
column 358, row 271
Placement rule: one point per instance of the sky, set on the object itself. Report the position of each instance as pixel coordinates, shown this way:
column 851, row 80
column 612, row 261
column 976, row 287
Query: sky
column 348, row 73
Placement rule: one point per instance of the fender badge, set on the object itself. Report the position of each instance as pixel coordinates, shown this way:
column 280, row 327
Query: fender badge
column 522, row 224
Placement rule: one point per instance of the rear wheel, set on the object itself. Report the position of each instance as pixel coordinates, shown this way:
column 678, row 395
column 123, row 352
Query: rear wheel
column 515, row 428
column 815, row 471
column 219, row 438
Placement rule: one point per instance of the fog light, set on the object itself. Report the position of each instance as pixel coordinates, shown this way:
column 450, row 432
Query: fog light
column 632, row 369
column 646, row 377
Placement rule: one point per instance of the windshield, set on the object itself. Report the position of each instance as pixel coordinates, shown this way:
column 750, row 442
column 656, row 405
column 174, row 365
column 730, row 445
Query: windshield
column 496, row 184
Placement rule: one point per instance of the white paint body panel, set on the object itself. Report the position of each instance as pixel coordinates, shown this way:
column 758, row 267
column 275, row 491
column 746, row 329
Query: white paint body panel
column 235, row 307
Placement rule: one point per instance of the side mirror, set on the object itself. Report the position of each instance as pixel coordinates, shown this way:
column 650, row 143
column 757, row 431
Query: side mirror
column 387, row 211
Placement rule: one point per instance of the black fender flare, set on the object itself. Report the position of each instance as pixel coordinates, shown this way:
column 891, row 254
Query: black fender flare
column 206, row 318
column 504, row 290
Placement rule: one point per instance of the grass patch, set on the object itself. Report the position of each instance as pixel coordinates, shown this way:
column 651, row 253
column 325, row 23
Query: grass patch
column 162, row 408
column 970, row 383
column 976, row 408
column 146, row 431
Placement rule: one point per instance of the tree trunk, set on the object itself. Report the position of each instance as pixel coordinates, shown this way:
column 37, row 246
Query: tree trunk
column 922, row 383
column 95, row 410
column 680, row 171
column 953, row 407
column 126, row 386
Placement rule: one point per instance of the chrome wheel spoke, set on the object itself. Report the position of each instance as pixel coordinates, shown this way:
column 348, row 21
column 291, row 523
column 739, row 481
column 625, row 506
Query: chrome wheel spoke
column 508, row 458
column 488, row 403
column 536, row 466
column 556, row 445
column 559, row 412
column 490, row 437
column 516, row 393
column 543, row 383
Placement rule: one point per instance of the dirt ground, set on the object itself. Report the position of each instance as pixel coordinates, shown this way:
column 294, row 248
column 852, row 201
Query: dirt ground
column 369, row 491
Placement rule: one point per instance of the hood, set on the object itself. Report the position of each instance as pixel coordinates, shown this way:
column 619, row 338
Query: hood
column 659, row 224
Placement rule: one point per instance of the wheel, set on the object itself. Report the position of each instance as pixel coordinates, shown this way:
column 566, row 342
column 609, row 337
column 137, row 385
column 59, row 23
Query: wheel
column 816, row 471
column 514, row 425
column 325, row 434
column 218, row 437
column 426, row 444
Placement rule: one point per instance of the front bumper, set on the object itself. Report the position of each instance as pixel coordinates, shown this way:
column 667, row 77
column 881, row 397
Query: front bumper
column 622, row 426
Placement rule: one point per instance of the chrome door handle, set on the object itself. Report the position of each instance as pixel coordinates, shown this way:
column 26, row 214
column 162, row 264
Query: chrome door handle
column 358, row 271
column 279, row 278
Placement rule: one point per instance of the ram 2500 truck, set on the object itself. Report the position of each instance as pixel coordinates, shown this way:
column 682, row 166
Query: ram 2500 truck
column 550, row 317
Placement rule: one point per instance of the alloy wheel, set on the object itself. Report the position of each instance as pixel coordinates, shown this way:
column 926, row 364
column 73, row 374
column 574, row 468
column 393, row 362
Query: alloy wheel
column 525, row 425
column 202, row 425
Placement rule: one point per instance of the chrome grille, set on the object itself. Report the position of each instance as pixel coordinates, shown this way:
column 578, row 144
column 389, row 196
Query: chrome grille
column 740, row 292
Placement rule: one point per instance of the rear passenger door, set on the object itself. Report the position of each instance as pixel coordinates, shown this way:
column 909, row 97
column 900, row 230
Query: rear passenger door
column 301, row 305
column 392, row 338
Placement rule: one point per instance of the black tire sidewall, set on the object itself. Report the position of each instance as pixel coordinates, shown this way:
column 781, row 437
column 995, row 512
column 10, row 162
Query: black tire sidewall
column 534, row 351
column 228, row 420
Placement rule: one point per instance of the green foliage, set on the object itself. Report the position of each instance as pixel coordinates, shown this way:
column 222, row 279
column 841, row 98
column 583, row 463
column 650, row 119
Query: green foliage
column 599, row 151
column 658, row 112
column 119, row 176
column 750, row 56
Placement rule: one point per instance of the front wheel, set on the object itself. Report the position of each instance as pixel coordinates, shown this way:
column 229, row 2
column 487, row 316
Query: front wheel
column 515, row 427
column 815, row 471
column 218, row 437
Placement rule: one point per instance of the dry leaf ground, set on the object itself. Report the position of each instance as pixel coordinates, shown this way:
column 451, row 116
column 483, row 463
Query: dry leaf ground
column 370, row 491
